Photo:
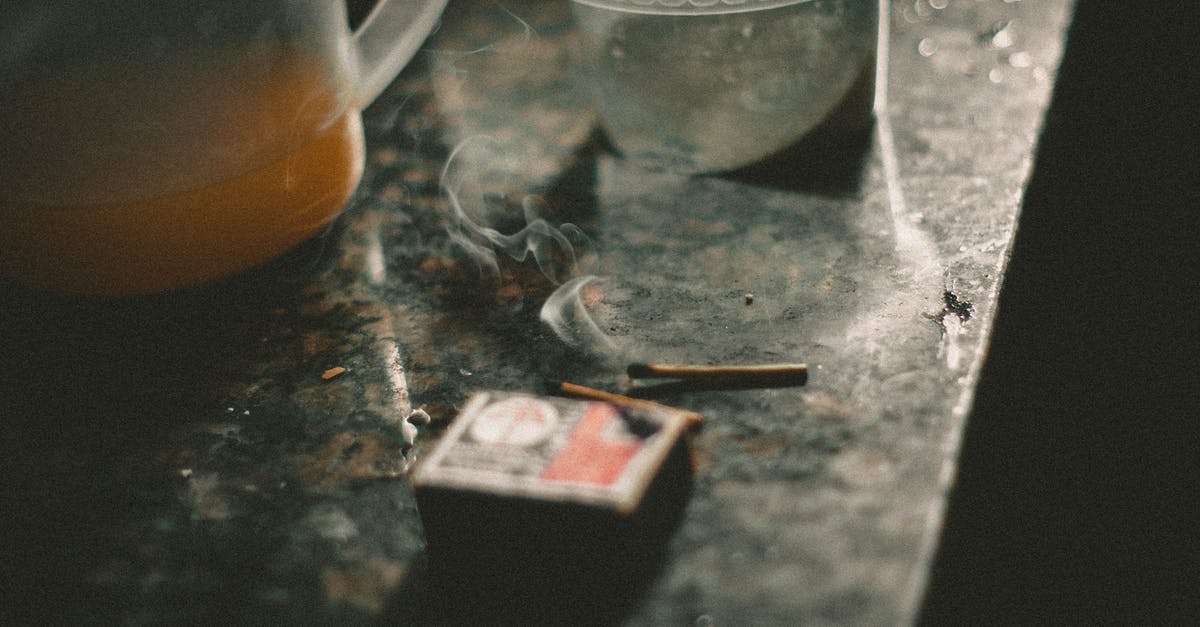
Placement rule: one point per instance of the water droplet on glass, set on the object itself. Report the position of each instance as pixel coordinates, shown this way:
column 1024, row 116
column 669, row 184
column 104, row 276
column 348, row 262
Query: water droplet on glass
column 704, row 620
column 748, row 30
column 939, row 4
column 1003, row 37
column 996, row 76
column 927, row 47
column 1020, row 59
column 617, row 52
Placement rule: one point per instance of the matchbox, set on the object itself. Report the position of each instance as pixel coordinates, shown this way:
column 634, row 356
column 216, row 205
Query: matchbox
column 556, row 449
column 533, row 502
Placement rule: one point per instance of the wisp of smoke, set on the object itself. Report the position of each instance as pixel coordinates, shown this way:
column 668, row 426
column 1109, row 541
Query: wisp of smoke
column 567, row 315
column 554, row 249
column 501, row 44
column 473, row 171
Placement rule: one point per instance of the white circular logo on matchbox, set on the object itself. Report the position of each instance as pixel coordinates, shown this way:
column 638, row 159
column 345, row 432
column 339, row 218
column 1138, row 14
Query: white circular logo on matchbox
column 515, row 422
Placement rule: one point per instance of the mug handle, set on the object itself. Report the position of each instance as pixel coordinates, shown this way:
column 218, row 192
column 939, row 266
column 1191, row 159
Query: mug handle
column 386, row 41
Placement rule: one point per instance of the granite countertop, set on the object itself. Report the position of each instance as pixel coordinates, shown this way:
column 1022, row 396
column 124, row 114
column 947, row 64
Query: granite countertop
column 201, row 456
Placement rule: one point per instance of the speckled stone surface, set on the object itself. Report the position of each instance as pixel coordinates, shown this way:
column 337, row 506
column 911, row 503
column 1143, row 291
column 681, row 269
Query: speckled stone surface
column 191, row 457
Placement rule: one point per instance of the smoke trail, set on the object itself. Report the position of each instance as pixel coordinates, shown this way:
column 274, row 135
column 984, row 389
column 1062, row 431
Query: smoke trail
column 566, row 313
column 561, row 253
column 483, row 223
column 502, row 44
column 556, row 250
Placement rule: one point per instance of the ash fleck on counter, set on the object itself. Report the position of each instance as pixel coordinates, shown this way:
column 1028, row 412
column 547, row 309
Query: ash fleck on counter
column 961, row 308
column 953, row 305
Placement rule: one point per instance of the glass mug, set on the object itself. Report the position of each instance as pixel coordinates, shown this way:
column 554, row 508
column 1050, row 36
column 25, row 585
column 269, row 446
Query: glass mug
column 708, row 86
column 146, row 145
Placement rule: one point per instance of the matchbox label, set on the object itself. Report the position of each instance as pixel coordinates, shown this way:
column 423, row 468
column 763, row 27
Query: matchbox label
column 515, row 421
column 547, row 447
column 599, row 449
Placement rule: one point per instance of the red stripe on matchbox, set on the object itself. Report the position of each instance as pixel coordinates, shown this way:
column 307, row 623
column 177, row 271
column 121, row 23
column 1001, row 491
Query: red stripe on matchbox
column 589, row 457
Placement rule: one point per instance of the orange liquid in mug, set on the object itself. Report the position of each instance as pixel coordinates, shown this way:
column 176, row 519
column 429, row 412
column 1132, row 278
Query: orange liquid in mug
column 192, row 237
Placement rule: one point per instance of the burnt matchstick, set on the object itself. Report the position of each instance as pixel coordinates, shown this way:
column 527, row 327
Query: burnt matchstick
column 624, row 403
column 688, row 377
column 574, row 390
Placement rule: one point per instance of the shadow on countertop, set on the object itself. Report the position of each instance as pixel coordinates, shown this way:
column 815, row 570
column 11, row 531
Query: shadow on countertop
column 1081, row 461
column 93, row 393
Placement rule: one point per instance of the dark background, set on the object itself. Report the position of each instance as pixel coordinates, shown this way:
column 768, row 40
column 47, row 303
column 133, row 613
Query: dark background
column 1081, row 462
